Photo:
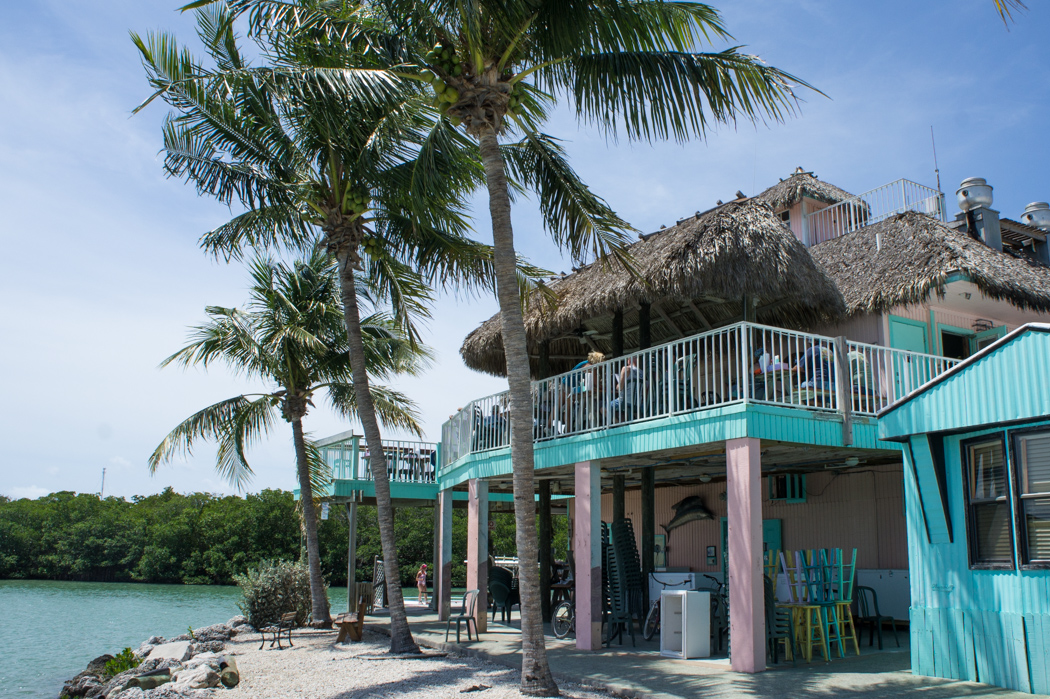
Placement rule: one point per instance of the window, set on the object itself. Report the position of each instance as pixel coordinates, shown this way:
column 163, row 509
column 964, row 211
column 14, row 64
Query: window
column 787, row 487
column 785, row 216
column 988, row 506
column 1032, row 463
column 955, row 345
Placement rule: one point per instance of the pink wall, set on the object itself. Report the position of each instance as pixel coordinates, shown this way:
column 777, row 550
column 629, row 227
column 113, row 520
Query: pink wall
column 862, row 508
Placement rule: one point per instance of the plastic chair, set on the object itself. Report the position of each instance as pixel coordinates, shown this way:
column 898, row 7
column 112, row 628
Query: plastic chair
column 779, row 626
column 503, row 593
column 466, row 614
column 869, row 614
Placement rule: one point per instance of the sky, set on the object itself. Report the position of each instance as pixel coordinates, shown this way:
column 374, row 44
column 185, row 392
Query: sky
column 100, row 273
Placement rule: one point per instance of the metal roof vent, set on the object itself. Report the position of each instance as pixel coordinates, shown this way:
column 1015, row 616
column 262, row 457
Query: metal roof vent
column 974, row 193
column 1037, row 215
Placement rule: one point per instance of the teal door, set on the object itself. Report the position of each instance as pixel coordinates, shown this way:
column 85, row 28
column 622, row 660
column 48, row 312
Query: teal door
column 771, row 540
column 908, row 374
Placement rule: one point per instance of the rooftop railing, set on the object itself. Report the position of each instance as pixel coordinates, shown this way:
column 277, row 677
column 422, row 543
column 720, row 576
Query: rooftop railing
column 872, row 207
column 745, row 362
column 406, row 461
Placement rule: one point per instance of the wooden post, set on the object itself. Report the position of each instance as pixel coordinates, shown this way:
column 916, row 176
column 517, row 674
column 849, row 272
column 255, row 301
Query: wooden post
column 747, row 623
column 478, row 547
column 619, row 504
column 648, row 527
column 617, row 333
column 587, row 547
column 545, row 359
column 645, row 338
column 844, row 390
column 546, row 535
column 443, row 574
column 351, row 557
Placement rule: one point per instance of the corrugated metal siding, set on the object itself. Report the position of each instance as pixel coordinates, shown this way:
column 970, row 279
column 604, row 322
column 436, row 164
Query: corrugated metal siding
column 1011, row 383
column 862, row 509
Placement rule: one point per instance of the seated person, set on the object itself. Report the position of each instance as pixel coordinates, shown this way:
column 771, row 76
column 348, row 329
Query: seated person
column 625, row 405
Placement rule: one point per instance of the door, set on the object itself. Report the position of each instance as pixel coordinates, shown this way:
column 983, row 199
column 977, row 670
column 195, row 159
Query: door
column 771, row 541
column 908, row 373
column 983, row 339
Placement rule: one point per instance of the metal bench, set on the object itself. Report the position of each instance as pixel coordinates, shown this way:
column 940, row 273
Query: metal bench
column 284, row 626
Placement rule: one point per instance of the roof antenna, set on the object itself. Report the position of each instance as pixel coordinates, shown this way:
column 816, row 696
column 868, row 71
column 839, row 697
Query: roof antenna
column 102, row 488
column 936, row 169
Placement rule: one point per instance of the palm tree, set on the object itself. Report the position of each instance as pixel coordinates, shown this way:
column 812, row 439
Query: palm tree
column 323, row 139
column 496, row 66
column 291, row 337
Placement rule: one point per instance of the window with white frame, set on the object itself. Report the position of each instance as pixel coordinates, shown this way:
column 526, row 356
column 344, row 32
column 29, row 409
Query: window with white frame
column 1032, row 462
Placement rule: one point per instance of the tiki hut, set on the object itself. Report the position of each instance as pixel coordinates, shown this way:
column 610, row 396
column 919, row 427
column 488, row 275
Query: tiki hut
column 733, row 262
column 900, row 261
column 789, row 192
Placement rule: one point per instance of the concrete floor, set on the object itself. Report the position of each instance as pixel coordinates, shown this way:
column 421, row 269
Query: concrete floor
column 642, row 672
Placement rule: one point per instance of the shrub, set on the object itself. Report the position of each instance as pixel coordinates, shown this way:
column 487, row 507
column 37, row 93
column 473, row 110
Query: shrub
column 274, row 588
column 124, row 660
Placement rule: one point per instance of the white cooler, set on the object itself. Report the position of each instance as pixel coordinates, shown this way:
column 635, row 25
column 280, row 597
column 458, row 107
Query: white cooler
column 685, row 624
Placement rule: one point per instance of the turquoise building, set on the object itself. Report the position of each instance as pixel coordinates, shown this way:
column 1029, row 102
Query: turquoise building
column 977, row 488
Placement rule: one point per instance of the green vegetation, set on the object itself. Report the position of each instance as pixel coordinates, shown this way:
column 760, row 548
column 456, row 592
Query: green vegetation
column 124, row 660
column 273, row 588
column 207, row 539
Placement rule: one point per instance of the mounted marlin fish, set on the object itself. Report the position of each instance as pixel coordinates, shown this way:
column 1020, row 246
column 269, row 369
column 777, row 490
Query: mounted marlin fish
column 687, row 510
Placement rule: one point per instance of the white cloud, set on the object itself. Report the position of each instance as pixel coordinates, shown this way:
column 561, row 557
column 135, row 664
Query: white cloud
column 31, row 492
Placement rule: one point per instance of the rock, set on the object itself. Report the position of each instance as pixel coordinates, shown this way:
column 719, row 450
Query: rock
column 144, row 650
column 237, row 621
column 208, row 647
column 212, row 660
column 157, row 665
column 200, row 677
column 80, row 685
column 176, row 650
column 215, row 632
column 118, row 683
column 155, row 640
column 181, row 637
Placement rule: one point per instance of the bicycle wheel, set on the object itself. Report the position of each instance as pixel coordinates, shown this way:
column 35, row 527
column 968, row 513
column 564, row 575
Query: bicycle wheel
column 561, row 619
column 652, row 622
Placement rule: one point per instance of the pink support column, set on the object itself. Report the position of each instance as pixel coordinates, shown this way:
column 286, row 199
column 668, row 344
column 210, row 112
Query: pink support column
column 478, row 547
column 587, row 548
column 747, row 623
column 443, row 574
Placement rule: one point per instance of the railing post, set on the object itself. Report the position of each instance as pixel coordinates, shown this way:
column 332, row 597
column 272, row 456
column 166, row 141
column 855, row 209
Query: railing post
column 355, row 456
column 843, row 393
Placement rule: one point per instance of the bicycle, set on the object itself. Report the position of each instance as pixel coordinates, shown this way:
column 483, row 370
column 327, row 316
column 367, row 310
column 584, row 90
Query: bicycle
column 719, row 611
column 652, row 619
column 563, row 618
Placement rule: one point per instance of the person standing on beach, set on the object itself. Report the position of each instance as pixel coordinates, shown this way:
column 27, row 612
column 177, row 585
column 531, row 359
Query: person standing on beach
column 421, row 583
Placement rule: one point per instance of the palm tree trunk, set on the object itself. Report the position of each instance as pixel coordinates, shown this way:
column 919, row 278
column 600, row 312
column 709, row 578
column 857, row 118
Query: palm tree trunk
column 536, row 678
column 401, row 640
column 318, row 596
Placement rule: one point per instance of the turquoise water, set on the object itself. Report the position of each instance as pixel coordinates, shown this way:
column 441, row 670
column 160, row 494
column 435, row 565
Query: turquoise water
column 49, row 631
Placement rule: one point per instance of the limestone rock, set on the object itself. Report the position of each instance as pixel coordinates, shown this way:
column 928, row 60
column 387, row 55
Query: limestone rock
column 155, row 640
column 144, row 650
column 80, row 685
column 208, row 647
column 200, row 677
column 212, row 660
column 237, row 621
column 176, row 650
column 215, row 632
column 181, row 637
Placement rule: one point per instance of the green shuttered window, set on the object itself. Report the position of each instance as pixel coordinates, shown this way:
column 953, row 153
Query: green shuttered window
column 989, row 521
column 1032, row 450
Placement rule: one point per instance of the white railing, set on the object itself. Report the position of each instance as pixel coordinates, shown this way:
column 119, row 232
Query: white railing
column 745, row 362
column 872, row 207
column 406, row 461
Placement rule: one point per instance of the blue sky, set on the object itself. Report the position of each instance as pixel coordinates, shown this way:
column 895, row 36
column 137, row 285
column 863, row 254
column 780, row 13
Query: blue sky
column 100, row 273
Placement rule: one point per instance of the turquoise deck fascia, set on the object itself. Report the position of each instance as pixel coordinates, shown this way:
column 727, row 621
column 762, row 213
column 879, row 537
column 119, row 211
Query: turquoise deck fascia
column 763, row 421
column 345, row 488
column 1004, row 383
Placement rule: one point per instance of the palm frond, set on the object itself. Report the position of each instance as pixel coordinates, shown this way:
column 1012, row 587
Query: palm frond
column 393, row 408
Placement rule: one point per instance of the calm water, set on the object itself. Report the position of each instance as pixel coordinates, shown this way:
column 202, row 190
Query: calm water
column 51, row 630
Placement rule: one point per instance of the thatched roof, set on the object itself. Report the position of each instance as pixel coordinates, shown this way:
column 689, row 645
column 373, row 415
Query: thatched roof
column 901, row 260
column 789, row 192
column 696, row 274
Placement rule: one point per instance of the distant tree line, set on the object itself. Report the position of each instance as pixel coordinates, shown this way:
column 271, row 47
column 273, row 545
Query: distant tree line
column 205, row 539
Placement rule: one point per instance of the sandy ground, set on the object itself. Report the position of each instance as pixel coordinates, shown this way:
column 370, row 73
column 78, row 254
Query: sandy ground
column 317, row 668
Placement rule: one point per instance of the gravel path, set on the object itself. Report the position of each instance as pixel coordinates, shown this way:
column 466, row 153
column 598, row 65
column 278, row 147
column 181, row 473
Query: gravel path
column 317, row 668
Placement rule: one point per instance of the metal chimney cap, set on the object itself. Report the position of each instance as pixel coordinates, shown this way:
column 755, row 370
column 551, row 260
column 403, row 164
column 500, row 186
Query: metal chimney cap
column 974, row 193
column 1037, row 215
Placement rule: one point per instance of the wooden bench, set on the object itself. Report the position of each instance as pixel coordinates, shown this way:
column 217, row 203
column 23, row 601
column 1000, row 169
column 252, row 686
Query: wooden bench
column 351, row 624
column 284, row 626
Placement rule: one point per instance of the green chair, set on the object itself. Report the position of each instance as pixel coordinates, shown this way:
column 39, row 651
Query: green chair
column 466, row 614
column 868, row 608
